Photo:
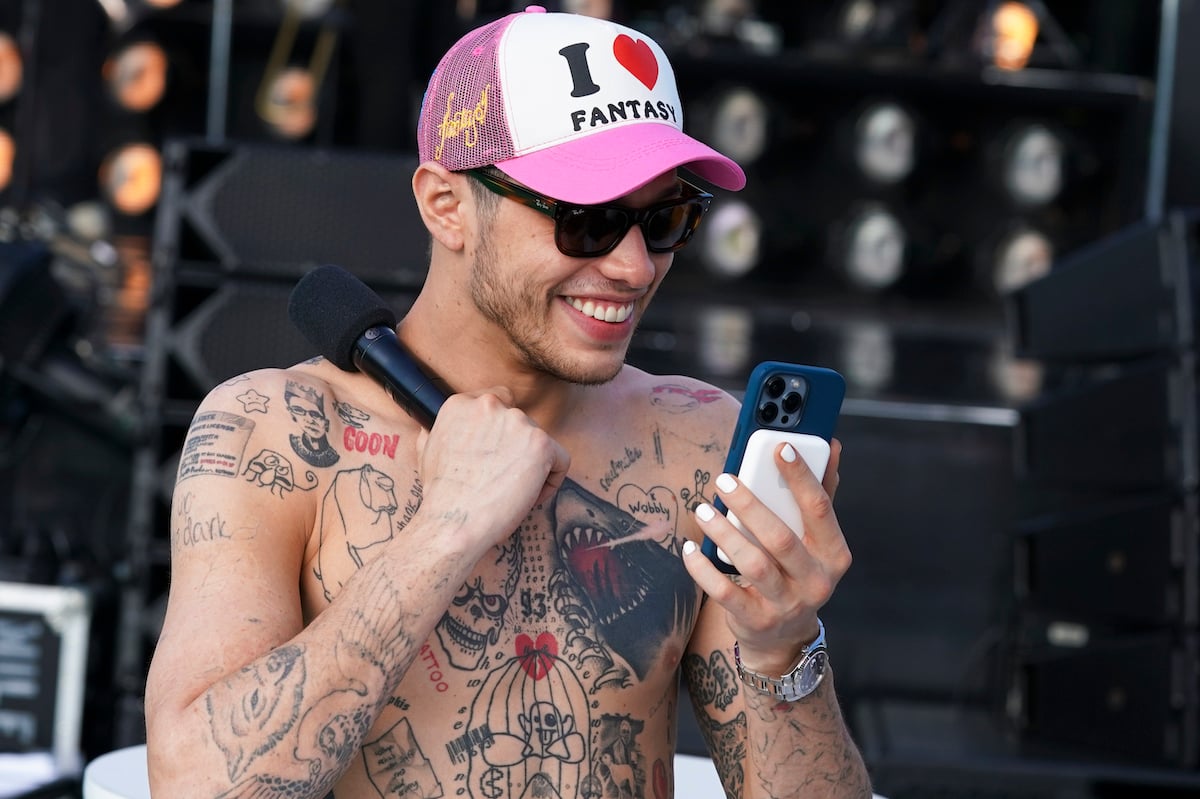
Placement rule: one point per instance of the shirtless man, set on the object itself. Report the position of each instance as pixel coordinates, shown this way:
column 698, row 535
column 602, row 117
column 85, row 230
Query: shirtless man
column 500, row 606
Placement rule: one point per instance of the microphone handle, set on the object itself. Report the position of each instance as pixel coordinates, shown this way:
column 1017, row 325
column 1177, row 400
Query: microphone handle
column 379, row 354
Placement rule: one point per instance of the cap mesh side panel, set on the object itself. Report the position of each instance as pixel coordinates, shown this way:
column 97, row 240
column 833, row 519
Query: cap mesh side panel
column 467, row 70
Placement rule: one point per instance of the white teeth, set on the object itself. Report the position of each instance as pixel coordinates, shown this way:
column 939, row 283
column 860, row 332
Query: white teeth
column 605, row 313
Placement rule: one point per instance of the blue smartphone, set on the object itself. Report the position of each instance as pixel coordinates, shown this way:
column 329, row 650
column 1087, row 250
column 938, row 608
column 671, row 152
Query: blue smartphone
column 789, row 402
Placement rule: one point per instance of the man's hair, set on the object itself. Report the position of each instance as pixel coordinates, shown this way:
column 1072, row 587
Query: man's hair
column 485, row 199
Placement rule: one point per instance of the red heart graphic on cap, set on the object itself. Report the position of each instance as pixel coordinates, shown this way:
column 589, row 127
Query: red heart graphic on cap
column 638, row 58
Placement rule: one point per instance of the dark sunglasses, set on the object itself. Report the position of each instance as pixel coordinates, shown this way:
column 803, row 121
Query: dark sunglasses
column 589, row 231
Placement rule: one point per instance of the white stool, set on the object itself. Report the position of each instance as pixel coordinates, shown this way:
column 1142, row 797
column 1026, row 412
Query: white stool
column 696, row 778
column 120, row 774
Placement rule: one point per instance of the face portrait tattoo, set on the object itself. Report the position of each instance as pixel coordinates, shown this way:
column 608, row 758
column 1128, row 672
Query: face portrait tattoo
column 249, row 717
column 307, row 408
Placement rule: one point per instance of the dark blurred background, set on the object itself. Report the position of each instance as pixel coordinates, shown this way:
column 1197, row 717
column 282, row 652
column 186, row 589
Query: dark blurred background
column 982, row 213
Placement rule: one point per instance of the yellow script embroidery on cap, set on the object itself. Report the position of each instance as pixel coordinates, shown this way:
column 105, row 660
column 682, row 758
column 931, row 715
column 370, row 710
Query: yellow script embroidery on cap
column 463, row 121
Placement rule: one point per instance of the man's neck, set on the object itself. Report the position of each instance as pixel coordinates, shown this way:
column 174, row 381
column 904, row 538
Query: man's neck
column 472, row 359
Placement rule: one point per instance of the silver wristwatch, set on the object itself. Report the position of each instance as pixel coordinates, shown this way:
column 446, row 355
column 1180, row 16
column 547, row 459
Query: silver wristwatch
column 798, row 683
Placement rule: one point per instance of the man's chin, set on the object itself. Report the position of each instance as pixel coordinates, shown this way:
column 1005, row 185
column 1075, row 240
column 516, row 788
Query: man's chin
column 596, row 374
column 598, row 380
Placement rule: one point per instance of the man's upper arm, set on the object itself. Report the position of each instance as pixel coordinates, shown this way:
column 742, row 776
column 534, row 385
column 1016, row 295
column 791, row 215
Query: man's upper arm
column 237, row 543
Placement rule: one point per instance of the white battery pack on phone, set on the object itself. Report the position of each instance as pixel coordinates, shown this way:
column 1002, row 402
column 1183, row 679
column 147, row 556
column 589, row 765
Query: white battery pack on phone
column 759, row 473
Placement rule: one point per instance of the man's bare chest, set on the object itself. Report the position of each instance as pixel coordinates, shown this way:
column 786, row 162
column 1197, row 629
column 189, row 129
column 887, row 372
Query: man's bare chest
column 603, row 573
column 556, row 655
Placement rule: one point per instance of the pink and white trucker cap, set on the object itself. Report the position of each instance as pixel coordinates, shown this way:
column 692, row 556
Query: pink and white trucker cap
column 578, row 108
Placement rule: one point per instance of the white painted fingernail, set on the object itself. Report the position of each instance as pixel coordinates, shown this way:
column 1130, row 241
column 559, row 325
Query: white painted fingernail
column 689, row 547
column 705, row 512
column 788, row 453
column 726, row 483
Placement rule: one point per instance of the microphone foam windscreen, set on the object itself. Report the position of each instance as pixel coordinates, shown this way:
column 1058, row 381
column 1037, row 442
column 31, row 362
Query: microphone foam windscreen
column 332, row 308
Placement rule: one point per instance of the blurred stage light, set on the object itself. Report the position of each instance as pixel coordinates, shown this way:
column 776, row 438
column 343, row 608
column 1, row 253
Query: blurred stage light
column 858, row 19
column 137, row 75
column 162, row 3
column 131, row 178
column 12, row 67
column 89, row 221
column 287, row 95
column 731, row 239
column 885, row 143
column 739, row 21
column 290, row 103
column 868, row 355
column 309, row 9
column 1011, row 33
column 600, row 9
column 870, row 254
column 1033, row 165
column 1017, row 380
column 724, row 340
column 884, row 23
column 739, row 124
column 1022, row 256
column 8, row 152
column 117, row 11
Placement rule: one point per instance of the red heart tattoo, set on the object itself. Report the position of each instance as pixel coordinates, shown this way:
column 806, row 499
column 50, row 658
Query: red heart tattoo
column 638, row 58
column 660, row 781
column 537, row 658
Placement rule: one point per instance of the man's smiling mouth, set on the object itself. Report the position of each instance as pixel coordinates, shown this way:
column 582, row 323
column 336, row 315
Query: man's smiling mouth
column 605, row 312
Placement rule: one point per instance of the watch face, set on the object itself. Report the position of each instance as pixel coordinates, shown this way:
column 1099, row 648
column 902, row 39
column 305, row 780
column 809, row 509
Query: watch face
column 811, row 672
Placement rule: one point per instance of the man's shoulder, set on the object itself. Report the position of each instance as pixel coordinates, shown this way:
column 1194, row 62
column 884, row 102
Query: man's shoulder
column 310, row 399
column 677, row 395
column 316, row 379
column 679, row 418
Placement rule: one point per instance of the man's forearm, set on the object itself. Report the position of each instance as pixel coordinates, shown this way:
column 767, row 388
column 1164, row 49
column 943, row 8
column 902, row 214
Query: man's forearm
column 802, row 748
column 291, row 722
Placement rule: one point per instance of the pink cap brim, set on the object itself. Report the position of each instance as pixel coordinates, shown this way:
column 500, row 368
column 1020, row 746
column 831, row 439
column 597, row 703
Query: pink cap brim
column 612, row 163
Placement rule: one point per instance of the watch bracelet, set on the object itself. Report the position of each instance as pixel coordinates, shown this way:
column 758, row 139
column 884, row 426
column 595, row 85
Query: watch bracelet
column 784, row 686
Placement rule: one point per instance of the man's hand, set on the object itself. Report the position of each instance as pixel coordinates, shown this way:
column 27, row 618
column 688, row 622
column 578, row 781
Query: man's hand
column 786, row 575
column 485, row 464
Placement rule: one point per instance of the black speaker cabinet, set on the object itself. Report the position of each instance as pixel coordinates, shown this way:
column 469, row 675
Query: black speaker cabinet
column 1080, row 691
column 277, row 211
column 1130, row 426
column 1131, row 561
column 238, row 226
column 1126, row 296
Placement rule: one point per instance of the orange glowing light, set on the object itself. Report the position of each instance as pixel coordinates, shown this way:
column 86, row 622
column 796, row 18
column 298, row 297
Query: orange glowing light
column 137, row 75
column 290, row 106
column 8, row 152
column 11, row 68
column 1014, row 30
column 131, row 177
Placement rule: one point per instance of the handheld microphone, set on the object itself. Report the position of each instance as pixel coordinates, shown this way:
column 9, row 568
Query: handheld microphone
column 355, row 329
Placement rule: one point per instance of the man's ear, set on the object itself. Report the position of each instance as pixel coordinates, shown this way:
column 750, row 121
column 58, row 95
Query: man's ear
column 440, row 196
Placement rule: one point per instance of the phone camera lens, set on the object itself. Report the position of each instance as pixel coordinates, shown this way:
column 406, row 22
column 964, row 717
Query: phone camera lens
column 767, row 412
column 775, row 386
column 792, row 402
